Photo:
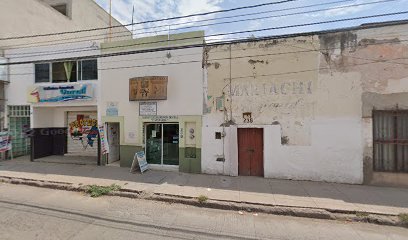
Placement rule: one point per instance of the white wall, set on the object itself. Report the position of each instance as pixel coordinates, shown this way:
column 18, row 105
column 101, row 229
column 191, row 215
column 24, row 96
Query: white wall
column 226, row 148
column 29, row 17
column 22, row 77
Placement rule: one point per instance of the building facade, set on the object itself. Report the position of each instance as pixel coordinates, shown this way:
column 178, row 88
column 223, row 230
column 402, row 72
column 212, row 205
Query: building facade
column 326, row 106
column 44, row 17
column 154, row 100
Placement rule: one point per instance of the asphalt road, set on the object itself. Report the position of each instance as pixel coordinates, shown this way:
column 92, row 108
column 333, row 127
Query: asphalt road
column 36, row 213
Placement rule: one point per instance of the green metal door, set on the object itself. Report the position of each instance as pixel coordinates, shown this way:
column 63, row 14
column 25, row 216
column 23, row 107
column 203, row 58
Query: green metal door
column 19, row 121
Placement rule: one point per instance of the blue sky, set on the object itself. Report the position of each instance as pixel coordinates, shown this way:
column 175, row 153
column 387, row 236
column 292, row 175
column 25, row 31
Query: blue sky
column 158, row 9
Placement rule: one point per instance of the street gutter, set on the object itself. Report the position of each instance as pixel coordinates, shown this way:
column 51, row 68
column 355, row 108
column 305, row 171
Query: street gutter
column 305, row 212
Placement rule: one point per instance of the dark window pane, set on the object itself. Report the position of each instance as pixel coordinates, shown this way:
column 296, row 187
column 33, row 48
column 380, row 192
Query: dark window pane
column 61, row 8
column 64, row 72
column 42, row 72
column 89, row 70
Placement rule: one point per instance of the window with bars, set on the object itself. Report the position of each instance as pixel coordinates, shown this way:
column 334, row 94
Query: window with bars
column 390, row 132
column 71, row 71
column 19, row 122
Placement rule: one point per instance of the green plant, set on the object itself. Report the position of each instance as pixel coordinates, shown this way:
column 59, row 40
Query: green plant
column 403, row 217
column 202, row 199
column 362, row 214
column 97, row 191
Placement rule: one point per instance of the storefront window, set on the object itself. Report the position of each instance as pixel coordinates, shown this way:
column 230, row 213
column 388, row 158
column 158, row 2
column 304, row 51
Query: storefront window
column 162, row 144
column 71, row 71
column 64, row 72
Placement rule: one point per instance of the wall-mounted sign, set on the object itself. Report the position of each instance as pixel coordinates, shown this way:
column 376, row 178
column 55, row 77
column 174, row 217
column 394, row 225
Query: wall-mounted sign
column 147, row 108
column 161, row 118
column 60, row 93
column 148, row 88
column 112, row 109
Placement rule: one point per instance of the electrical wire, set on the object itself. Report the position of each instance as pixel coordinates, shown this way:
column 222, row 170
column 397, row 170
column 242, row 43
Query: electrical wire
column 151, row 21
column 306, row 50
column 212, row 24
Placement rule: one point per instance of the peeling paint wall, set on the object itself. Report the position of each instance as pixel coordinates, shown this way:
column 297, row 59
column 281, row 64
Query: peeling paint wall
column 313, row 95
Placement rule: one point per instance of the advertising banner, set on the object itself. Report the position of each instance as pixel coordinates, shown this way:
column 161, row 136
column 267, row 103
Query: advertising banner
column 104, row 141
column 60, row 93
column 5, row 142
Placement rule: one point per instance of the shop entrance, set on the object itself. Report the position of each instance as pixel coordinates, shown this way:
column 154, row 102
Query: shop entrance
column 250, row 152
column 162, row 143
column 113, row 137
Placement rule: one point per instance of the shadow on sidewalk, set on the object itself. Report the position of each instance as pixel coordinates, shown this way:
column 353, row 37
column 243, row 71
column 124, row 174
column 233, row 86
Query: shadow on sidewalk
column 278, row 189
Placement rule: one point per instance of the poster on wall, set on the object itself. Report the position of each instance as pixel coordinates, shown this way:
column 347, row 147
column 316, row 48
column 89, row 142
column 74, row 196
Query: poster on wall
column 104, row 141
column 148, row 88
column 147, row 108
column 5, row 142
column 83, row 131
column 60, row 93
column 112, row 109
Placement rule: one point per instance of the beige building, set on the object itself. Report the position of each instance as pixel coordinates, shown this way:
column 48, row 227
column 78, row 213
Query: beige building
column 37, row 17
column 325, row 106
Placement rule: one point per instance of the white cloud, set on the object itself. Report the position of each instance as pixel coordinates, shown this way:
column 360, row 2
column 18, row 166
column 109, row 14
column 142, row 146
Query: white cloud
column 146, row 10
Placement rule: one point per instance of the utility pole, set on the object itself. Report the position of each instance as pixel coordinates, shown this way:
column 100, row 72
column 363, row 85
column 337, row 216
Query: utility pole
column 110, row 20
column 133, row 22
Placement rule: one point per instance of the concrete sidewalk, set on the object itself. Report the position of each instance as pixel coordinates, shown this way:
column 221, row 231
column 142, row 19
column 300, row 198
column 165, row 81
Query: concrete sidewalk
column 251, row 190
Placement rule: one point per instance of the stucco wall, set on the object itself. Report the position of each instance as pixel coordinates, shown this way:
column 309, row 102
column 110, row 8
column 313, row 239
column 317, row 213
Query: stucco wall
column 29, row 17
column 310, row 94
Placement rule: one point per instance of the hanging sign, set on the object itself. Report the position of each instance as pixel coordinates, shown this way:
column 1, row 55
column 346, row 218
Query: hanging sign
column 104, row 141
column 148, row 88
column 5, row 142
column 60, row 93
column 139, row 160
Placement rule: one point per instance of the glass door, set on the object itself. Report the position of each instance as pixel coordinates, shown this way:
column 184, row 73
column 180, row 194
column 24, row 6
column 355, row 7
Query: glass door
column 162, row 143
column 154, row 143
column 171, row 144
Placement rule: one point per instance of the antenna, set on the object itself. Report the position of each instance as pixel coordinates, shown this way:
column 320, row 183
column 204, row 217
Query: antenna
column 133, row 20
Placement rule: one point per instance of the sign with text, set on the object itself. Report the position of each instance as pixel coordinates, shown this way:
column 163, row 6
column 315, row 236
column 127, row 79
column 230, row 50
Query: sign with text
column 139, row 160
column 112, row 109
column 5, row 142
column 60, row 93
column 148, row 88
column 147, row 108
column 104, row 141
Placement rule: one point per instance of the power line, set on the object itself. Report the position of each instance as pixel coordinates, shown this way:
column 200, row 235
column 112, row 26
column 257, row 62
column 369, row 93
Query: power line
column 256, row 13
column 283, row 15
column 218, row 35
column 152, row 21
column 306, row 50
column 275, row 16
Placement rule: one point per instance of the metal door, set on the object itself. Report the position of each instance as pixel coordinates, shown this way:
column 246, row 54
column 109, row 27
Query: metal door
column 250, row 152
column 114, row 142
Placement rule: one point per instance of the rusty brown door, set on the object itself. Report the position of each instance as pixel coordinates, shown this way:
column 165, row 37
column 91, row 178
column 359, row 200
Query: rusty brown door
column 250, row 152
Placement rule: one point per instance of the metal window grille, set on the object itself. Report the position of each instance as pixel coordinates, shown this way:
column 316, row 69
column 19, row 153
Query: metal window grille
column 390, row 132
column 19, row 121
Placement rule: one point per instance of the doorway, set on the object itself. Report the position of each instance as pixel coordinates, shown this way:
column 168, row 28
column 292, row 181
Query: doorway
column 113, row 137
column 250, row 152
column 162, row 143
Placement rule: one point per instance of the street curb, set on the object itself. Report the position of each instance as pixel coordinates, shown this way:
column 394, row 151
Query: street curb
column 242, row 207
